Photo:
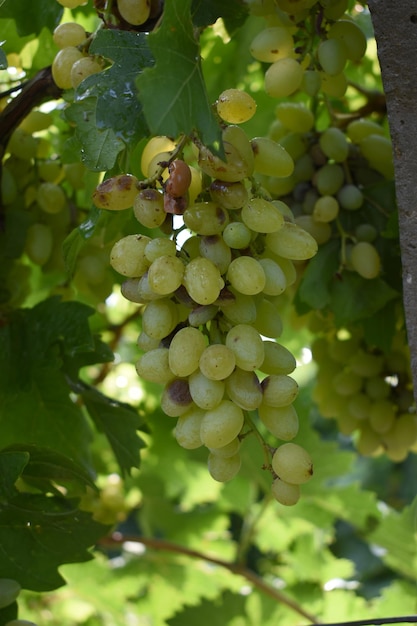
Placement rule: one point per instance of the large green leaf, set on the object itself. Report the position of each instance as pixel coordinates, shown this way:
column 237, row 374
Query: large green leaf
column 31, row 17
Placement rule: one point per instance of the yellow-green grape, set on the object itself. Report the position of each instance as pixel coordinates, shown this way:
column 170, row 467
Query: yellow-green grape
column 361, row 128
column 138, row 290
column 329, row 179
column 69, row 34
column 292, row 242
column 242, row 310
column 237, row 235
column 51, row 197
column 153, row 366
column 268, row 321
column 8, row 187
column 159, row 246
column 22, row 145
column 347, row 383
column 359, row 406
column 84, row 67
column 159, row 318
column 285, row 493
column 402, row 437
column 62, row 65
column 271, row 158
column 116, row 193
column 382, row 415
column 74, row 173
column 332, row 56
column 36, row 121
column 221, row 425
column 217, row 362
column 334, row 144
column 200, row 315
column 9, row 591
column 365, row 260
column 353, row 38
column 214, row 248
column 185, row 350
column 283, row 78
column 127, row 256
column 311, row 82
column 366, row 364
column 377, row 388
column 244, row 389
column 230, row 449
column 247, row 345
column 282, row 422
column 187, row 429
column 279, row 390
column 72, row 4
column 235, row 106
column 326, row 209
column 277, row 359
column 155, row 146
column 206, row 218
column 378, row 151
column 239, row 161
column 272, row 44
column 246, row 275
column 223, row 469
column 228, row 195
column 295, row 116
column 334, row 86
column 368, row 442
column 165, row 274
column 202, row 280
column 275, row 280
column 334, row 9
column 50, row 171
column 206, row 392
column 176, row 399
column 295, row 144
column 262, row 216
column 39, row 243
column 148, row 207
column 135, row 12
column 292, row 463
column 350, row 197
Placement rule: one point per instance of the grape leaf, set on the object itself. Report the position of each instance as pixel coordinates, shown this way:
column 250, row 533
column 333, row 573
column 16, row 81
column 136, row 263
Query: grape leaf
column 3, row 60
column 32, row 17
column 314, row 289
column 173, row 93
column 234, row 13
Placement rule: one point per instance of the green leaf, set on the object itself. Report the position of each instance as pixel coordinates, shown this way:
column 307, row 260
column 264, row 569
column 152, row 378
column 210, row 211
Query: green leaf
column 31, row 17
column 3, row 60
column 173, row 93
column 234, row 13
column 12, row 464
column 314, row 291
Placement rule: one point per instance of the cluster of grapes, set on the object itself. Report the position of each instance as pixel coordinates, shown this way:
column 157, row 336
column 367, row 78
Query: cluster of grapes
column 368, row 392
column 9, row 592
column 210, row 299
column 287, row 49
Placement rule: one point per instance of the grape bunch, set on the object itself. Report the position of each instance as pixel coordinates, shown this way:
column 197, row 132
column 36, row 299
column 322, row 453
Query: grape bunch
column 368, row 392
column 209, row 286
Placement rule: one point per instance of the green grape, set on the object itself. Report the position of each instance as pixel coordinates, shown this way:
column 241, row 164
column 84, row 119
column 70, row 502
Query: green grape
column 279, row 390
column 159, row 246
column 9, row 189
column 237, row 235
column 185, row 350
column 272, row 44
column 329, row 179
column 320, row 231
column 271, row 158
column 365, row 260
column 217, row 362
column 221, row 425
column 402, row 436
column 311, row 82
column 285, row 493
column 9, row 591
column 138, row 290
column 127, row 256
column 332, row 55
column 275, row 279
column 366, row 232
column 214, row 248
column 347, row 383
column 135, row 12
column 229, row 195
column 268, row 321
column 239, row 160
column 292, row 463
column 295, row 144
column 378, row 151
column 295, row 116
column 69, row 34
column 72, row 4
column 334, row 86
column 349, row 33
column 326, row 209
column 361, row 128
column 206, row 218
column 292, row 242
column 22, row 145
column 206, row 392
column 368, row 442
column 187, row 429
column 359, row 406
column 244, row 389
column 148, row 207
column 262, row 216
column 334, row 144
column 277, row 359
column 230, row 449
column 51, row 197
column 235, row 106
column 377, row 388
column 282, row 422
column 39, row 243
column 382, row 415
column 116, row 193
column 165, row 274
column 84, row 67
column 335, row 9
column 304, row 168
column 200, row 315
column 242, row 310
column 50, row 171
column 247, row 345
column 366, row 364
column 159, row 318
column 202, row 280
column 283, row 78
column 36, row 121
column 176, row 399
column 75, row 174
column 153, row 366
column 350, row 197
column 62, row 65
column 246, row 275
column 223, row 469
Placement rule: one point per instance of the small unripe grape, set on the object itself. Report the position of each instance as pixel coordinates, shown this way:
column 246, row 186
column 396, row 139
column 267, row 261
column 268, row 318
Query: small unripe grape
column 272, row 44
column 223, row 469
column 221, row 425
column 135, row 12
column 365, row 260
column 116, row 193
column 62, row 65
column 9, row 591
column 285, row 493
column 69, row 34
column 350, row 197
column 283, row 78
column 292, row 463
column 235, row 106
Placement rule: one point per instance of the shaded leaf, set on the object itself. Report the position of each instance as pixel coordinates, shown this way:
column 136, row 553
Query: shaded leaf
column 234, row 13
column 32, row 17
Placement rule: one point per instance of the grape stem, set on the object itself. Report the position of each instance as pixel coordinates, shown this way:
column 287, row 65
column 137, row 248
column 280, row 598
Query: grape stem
column 118, row 539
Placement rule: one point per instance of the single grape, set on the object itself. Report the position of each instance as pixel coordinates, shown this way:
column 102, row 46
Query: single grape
column 165, row 274
column 282, row 422
column 292, row 242
column 334, row 144
column 223, row 469
column 153, row 366
column 127, row 256
column 352, row 37
column 187, row 429
column 62, row 66
column 247, row 345
column 292, row 463
column 185, row 351
column 295, row 116
column 332, row 56
column 159, row 318
column 221, row 425
column 283, row 78
column 237, row 235
column 135, row 12
column 9, row 591
column 279, row 390
column 176, row 399
column 51, row 197
column 244, row 389
column 202, row 280
column 365, row 259
column 246, row 275
column 277, row 359
column 116, row 193
column 229, row 195
column 272, row 44
column 206, row 218
column 179, row 178
column 69, row 34
column 235, row 106
column 268, row 321
column 262, row 216
column 285, row 493
column 84, row 67
column 214, row 248
column 271, row 158
column 206, row 392
column 350, row 197
column 39, row 243
column 217, row 362
column 326, row 209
